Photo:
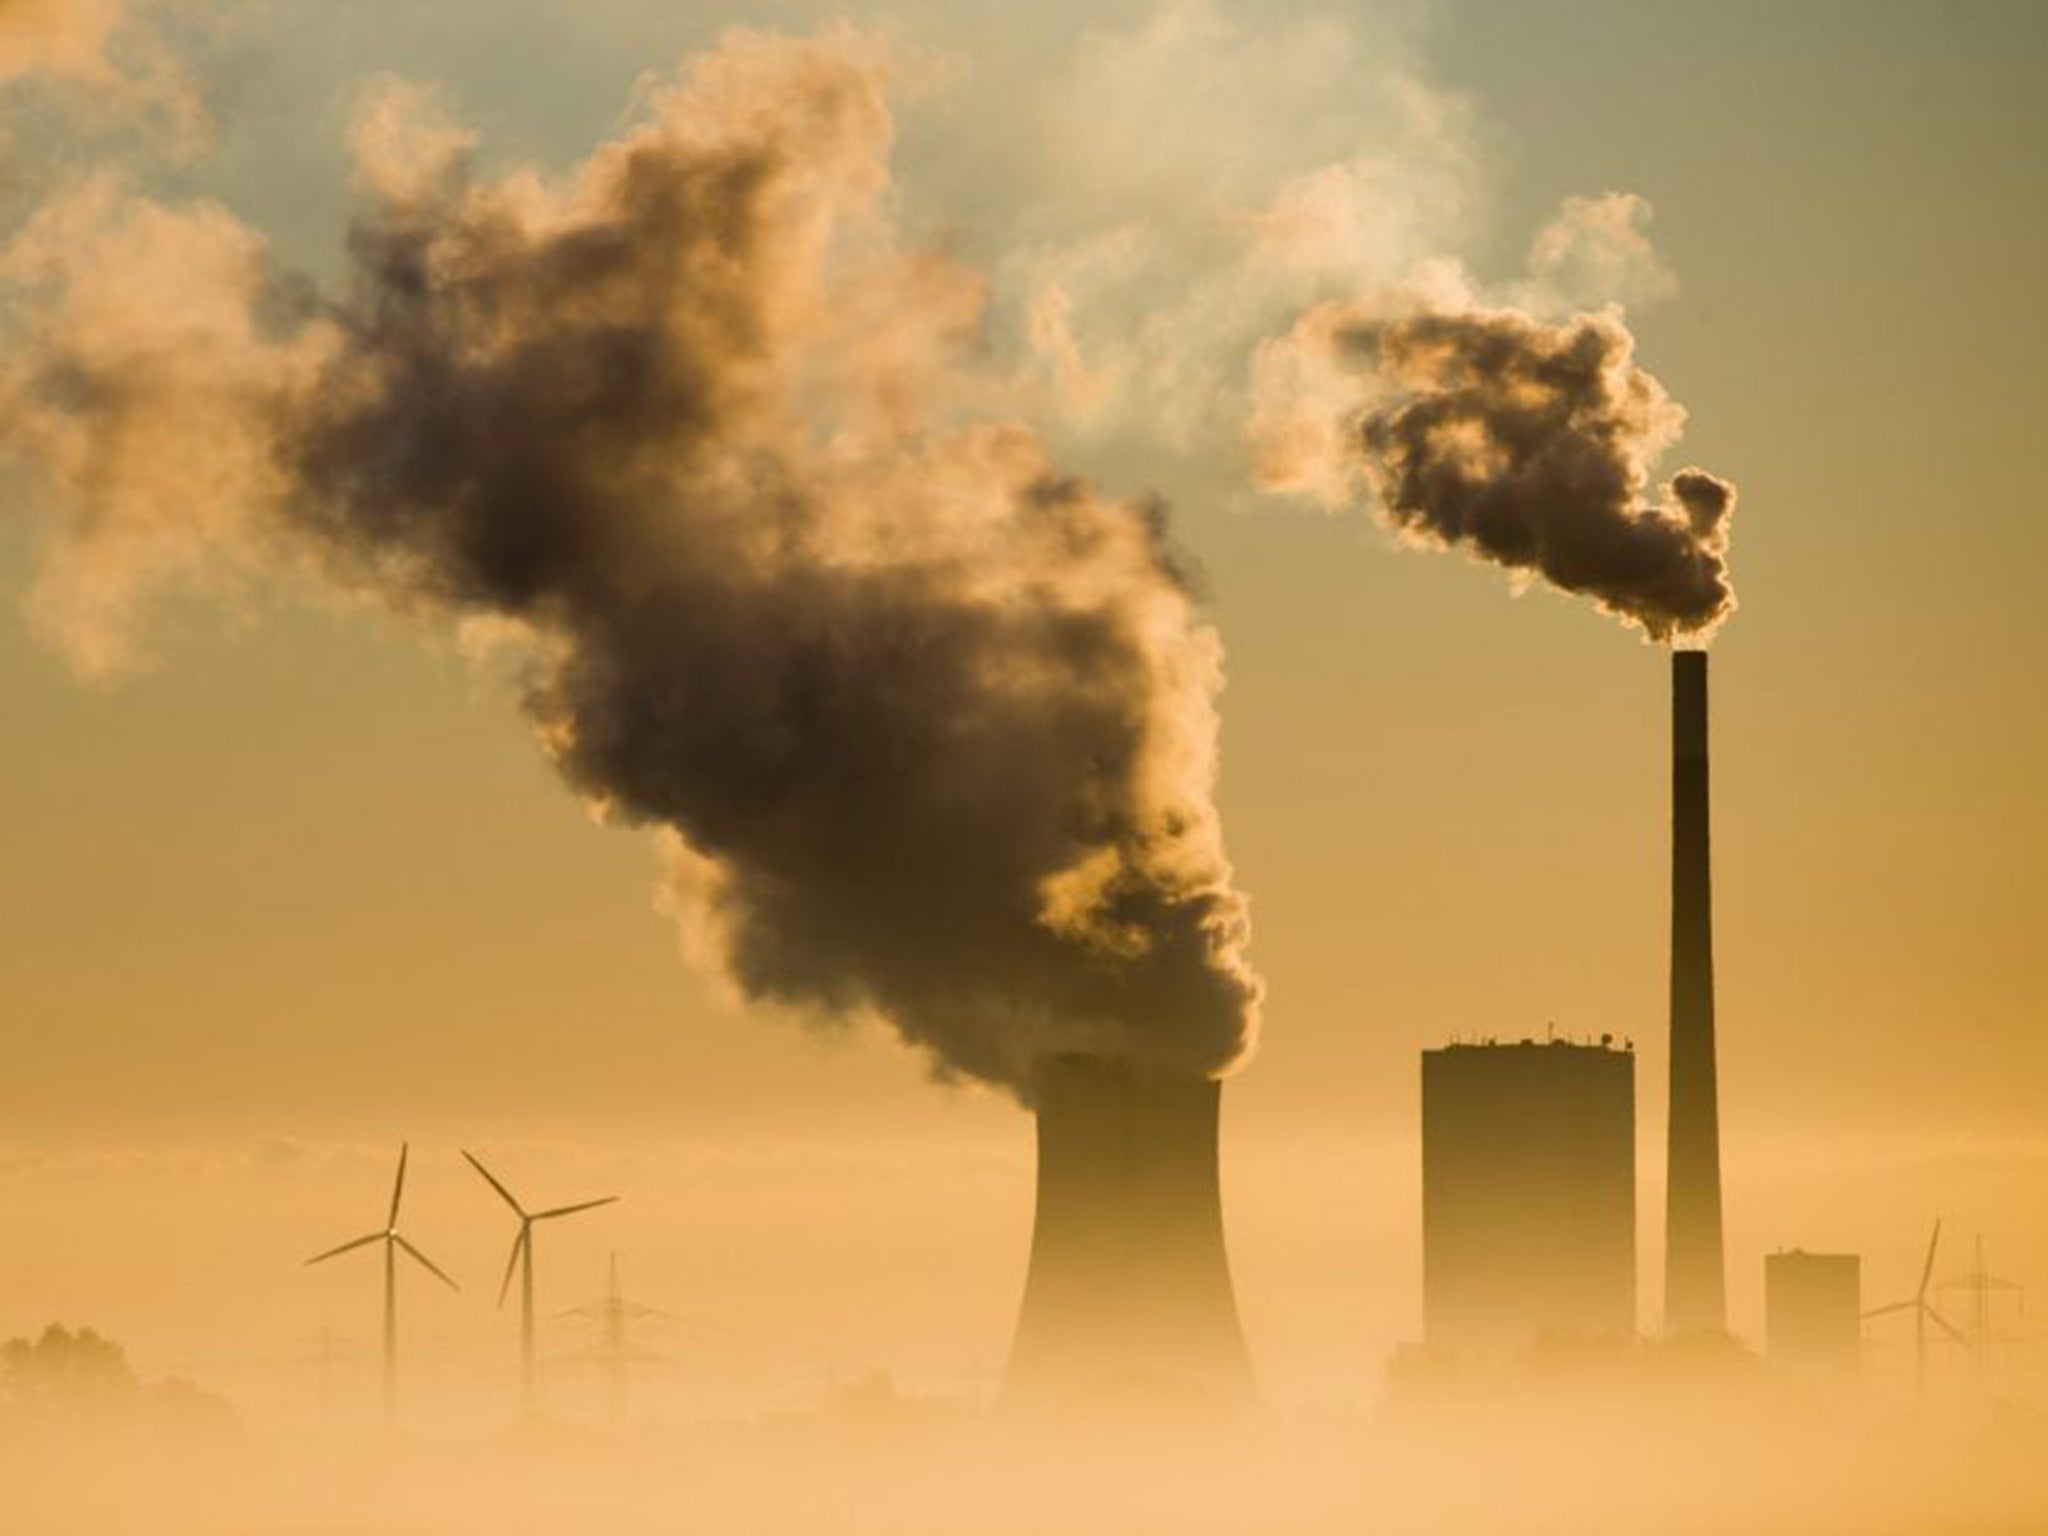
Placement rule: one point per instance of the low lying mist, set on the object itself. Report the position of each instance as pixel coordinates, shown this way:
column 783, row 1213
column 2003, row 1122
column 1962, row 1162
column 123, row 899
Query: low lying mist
column 1642, row 1450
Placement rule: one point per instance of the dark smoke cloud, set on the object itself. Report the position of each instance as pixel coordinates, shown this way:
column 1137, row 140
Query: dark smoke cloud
column 1529, row 443
column 927, row 728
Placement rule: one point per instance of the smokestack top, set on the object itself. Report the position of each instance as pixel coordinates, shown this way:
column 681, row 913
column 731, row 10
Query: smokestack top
column 1689, row 703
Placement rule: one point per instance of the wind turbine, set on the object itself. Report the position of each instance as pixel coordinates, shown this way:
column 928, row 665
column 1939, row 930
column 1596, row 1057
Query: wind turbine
column 393, row 1241
column 1923, row 1311
column 521, row 1259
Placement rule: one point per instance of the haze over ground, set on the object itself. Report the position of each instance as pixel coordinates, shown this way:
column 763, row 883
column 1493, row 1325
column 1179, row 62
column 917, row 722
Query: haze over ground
column 304, row 888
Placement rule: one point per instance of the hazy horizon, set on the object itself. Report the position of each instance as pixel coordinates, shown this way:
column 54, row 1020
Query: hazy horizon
column 290, row 882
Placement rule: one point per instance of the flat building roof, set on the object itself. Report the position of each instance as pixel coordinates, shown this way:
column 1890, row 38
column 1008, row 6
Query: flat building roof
column 1606, row 1045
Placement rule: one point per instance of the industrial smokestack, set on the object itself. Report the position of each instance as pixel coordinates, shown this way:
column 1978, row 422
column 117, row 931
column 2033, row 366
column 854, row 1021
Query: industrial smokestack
column 1128, row 1295
column 1693, row 1279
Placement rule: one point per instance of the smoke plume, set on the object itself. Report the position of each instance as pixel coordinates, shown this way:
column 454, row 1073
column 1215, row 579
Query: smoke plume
column 1264, row 158
column 106, row 54
column 1528, row 442
column 67, row 39
column 927, row 727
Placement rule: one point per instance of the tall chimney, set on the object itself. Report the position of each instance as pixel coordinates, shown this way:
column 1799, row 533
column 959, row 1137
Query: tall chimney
column 1128, row 1296
column 1693, row 1291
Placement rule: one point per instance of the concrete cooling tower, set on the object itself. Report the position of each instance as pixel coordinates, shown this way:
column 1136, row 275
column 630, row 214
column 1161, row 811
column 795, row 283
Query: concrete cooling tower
column 1128, row 1298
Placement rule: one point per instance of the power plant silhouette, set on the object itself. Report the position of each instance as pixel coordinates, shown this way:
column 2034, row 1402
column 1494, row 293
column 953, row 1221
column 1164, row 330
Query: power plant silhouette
column 1128, row 1292
column 1528, row 1202
column 1694, row 1296
column 1813, row 1312
column 1528, row 1195
column 1528, row 1177
column 1528, row 1181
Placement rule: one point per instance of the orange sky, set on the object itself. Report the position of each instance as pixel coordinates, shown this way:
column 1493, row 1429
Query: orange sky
column 306, row 878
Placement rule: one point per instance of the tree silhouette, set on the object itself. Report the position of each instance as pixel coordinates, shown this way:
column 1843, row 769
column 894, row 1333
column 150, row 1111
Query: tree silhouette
column 67, row 1369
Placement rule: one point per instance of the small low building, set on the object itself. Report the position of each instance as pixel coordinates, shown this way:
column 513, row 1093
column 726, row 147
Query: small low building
column 1813, row 1310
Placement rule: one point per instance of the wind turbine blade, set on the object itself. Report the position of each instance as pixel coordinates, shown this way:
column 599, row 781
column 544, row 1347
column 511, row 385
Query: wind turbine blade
column 1897, row 1306
column 512, row 1260
column 1927, row 1270
column 1953, row 1331
column 397, row 1187
column 571, row 1210
column 503, row 1193
column 430, row 1264
column 344, row 1248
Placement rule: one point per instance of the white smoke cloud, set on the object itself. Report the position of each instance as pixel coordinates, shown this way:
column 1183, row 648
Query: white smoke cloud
column 133, row 398
column 1212, row 173
column 1596, row 251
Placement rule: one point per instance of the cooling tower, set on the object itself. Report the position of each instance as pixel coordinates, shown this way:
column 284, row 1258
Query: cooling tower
column 1693, row 1300
column 1128, row 1297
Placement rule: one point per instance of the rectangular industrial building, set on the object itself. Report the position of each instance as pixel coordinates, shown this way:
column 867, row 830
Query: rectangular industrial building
column 1813, row 1311
column 1528, row 1196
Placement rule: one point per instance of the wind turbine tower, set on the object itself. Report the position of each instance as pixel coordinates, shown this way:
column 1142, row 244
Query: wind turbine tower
column 1923, row 1312
column 521, row 1260
column 393, row 1242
